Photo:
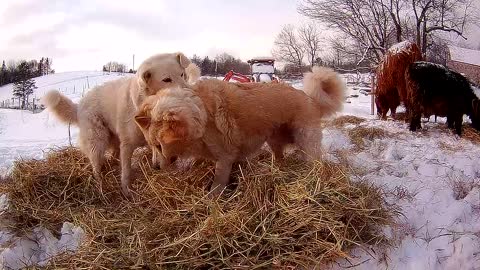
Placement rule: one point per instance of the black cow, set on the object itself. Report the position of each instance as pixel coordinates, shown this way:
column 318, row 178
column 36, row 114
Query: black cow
column 435, row 89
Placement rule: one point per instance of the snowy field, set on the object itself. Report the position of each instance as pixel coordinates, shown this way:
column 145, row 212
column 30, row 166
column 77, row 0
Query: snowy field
column 432, row 175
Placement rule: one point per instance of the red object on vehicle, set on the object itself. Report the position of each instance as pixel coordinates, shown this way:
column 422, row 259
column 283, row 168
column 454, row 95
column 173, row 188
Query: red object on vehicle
column 262, row 70
column 236, row 76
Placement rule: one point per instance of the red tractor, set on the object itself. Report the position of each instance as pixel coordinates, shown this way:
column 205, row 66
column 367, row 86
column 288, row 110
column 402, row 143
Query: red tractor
column 262, row 70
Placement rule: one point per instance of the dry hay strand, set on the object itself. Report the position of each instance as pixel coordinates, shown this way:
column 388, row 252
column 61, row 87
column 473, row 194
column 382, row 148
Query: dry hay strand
column 401, row 116
column 471, row 134
column 293, row 214
column 360, row 134
column 341, row 121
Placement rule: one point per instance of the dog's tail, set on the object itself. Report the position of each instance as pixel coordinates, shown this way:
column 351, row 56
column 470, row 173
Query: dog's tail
column 193, row 73
column 63, row 108
column 327, row 88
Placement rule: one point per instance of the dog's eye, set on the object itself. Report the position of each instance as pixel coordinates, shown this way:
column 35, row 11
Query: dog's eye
column 167, row 80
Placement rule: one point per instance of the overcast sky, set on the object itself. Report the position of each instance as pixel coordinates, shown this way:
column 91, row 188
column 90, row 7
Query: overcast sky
column 86, row 35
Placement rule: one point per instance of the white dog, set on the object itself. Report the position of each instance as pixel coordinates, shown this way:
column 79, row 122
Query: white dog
column 105, row 116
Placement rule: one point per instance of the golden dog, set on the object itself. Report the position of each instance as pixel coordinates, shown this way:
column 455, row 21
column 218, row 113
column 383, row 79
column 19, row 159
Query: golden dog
column 226, row 122
column 105, row 115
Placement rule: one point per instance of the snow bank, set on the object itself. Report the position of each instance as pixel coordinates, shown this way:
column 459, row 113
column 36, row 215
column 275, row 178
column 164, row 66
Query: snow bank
column 40, row 246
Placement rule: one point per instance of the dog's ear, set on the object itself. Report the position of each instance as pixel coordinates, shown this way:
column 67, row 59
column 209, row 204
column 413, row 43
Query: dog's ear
column 182, row 60
column 176, row 127
column 143, row 121
column 146, row 76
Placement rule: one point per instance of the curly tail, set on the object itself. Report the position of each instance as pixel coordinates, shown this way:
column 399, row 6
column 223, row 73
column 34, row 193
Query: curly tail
column 63, row 108
column 327, row 88
column 193, row 73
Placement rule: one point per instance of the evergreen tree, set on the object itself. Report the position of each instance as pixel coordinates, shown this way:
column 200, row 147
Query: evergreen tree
column 40, row 67
column 24, row 85
column 3, row 74
column 206, row 65
column 47, row 66
column 196, row 60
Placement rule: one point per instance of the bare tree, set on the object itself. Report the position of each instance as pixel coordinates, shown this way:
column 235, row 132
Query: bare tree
column 439, row 15
column 113, row 66
column 288, row 48
column 374, row 25
column 312, row 42
column 395, row 9
column 366, row 22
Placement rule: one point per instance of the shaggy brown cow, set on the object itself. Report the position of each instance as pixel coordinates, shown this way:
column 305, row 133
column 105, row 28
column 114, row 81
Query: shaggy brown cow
column 434, row 89
column 390, row 89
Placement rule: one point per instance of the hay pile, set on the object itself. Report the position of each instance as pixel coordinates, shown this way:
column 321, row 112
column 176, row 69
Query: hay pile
column 360, row 134
column 293, row 214
column 471, row 134
column 341, row 121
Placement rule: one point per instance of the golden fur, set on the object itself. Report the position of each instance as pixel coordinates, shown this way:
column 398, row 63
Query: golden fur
column 226, row 122
column 105, row 115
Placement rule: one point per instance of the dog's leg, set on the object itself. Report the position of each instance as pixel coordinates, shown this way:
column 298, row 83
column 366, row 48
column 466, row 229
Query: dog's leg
column 309, row 140
column 97, row 159
column 223, row 169
column 94, row 145
column 126, row 152
column 115, row 147
column 277, row 148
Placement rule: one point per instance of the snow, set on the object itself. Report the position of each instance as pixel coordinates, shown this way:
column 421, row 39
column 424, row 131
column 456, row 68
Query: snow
column 433, row 177
column 40, row 246
column 401, row 46
column 73, row 83
column 16, row 136
column 464, row 55
column 439, row 228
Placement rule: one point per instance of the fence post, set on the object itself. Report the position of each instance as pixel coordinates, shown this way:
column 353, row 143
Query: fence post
column 372, row 93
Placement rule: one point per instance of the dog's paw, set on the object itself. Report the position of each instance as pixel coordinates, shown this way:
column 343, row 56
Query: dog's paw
column 127, row 192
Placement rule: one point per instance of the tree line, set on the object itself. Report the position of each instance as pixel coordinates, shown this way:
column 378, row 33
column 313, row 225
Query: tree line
column 114, row 66
column 13, row 71
column 365, row 29
column 221, row 64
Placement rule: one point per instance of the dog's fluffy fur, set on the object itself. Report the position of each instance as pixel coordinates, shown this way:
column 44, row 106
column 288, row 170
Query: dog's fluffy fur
column 105, row 115
column 226, row 122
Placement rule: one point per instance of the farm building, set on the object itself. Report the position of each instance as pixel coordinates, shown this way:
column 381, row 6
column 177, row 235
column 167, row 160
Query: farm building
column 465, row 61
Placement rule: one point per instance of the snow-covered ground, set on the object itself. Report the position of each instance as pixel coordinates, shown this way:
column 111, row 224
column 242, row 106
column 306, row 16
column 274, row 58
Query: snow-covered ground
column 24, row 134
column 433, row 176
column 73, row 83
